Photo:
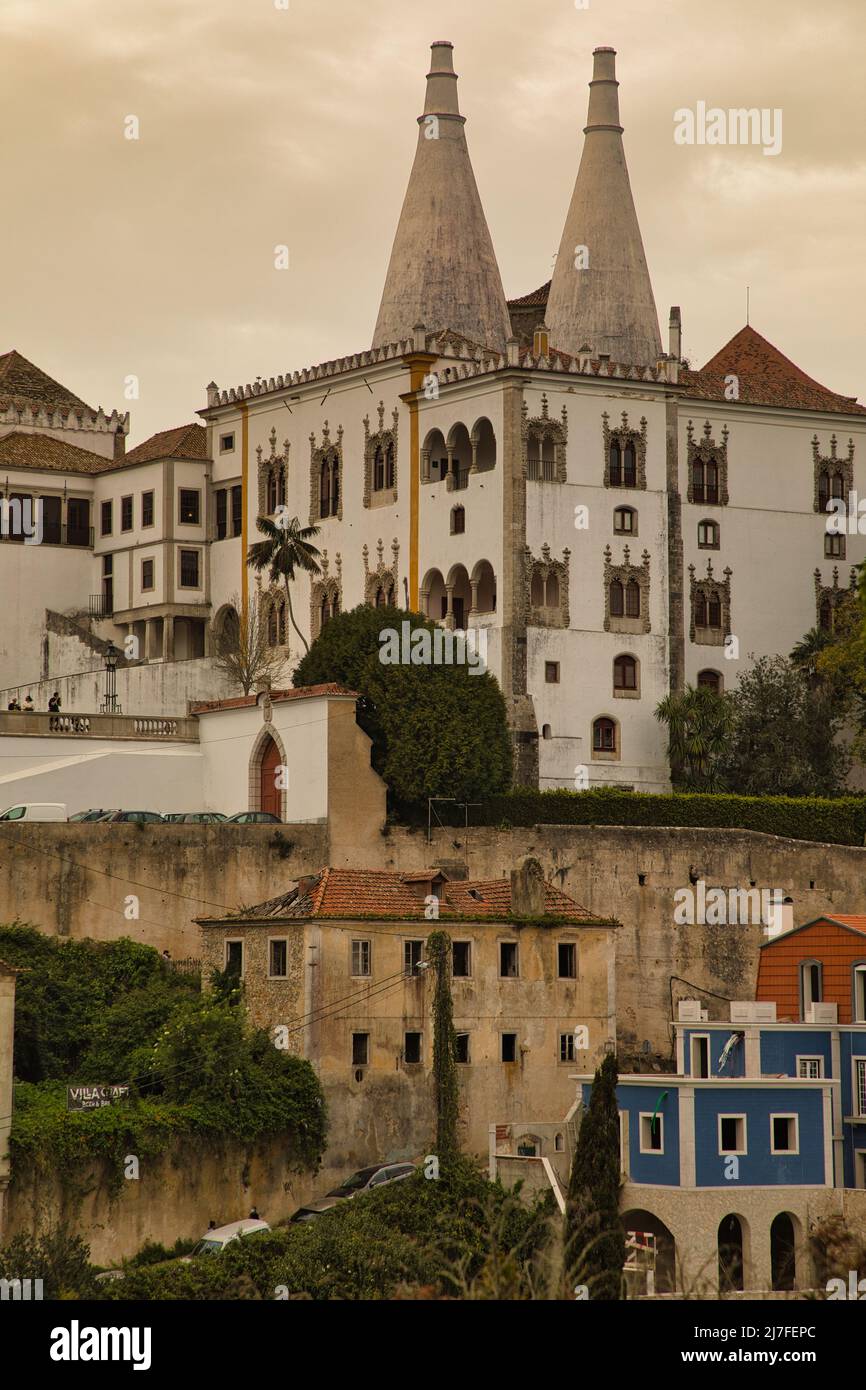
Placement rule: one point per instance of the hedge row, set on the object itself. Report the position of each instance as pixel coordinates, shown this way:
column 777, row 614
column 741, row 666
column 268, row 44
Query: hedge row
column 827, row 820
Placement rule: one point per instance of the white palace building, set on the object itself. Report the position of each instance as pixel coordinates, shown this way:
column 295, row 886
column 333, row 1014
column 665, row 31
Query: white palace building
column 541, row 468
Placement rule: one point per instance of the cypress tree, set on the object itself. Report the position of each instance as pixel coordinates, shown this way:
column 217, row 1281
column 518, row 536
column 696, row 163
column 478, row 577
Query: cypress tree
column 594, row 1236
column 444, row 1046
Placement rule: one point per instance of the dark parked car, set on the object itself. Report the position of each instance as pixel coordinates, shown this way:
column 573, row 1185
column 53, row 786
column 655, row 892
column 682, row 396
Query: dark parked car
column 365, row 1180
column 146, row 817
column 194, row 817
column 88, row 815
column 253, row 818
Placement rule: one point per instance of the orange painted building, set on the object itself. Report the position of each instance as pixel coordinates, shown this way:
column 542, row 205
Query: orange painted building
column 823, row 962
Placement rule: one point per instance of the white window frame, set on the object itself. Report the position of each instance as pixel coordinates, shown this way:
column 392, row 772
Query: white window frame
column 271, row 940
column 660, row 1120
column 785, row 1115
column 235, row 941
column 858, row 971
column 698, row 1037
column 227, row 442
column 360, row 941
column 810, row 1057
column 855, row 1092
column 739, row 1151
column 414, row 973
column 566, row 1061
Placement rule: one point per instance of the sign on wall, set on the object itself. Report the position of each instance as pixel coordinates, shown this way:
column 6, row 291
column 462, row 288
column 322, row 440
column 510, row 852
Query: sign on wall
column 94, row 1097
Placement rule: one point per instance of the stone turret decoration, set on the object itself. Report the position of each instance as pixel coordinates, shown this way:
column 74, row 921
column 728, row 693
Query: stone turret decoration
column 601, row 291
column 273, row 476
column 443, row 270
column 326, row 594
column 544, row 445
column 624, row 453
column 710, row 602
column 830, row 599
column 546, row 588
column 381, row 585
column 326, row 476
column 380, row 460
column 626, row 593
column 834, row 477
column 708, row 467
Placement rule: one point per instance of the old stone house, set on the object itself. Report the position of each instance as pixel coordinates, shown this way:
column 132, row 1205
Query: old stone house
column 335, row 969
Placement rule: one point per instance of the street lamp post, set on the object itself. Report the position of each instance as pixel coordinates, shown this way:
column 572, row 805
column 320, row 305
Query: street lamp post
column 110, row 705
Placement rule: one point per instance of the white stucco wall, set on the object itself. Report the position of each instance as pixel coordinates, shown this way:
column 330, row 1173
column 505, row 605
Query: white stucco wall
column 228, row 738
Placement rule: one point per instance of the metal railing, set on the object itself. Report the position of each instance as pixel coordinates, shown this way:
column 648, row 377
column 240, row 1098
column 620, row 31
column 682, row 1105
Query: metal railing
column 101, row 606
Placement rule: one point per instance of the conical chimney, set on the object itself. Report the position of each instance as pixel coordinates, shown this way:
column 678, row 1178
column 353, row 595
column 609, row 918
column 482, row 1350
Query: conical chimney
column 443, row 270
column 601, row 291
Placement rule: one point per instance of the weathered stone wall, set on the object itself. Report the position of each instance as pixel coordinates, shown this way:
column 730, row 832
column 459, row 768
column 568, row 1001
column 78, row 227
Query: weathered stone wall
column 174, row 1196
column 602, row 867
column 75, row 880
column 181, row 872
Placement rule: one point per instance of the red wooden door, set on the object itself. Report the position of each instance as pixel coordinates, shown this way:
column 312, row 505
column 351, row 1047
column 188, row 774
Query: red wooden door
column 271, row 797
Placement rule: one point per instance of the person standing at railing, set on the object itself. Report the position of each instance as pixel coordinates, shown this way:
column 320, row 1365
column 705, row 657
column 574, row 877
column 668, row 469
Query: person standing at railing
column 54, row 703
column 13, row 704
column 28, row 705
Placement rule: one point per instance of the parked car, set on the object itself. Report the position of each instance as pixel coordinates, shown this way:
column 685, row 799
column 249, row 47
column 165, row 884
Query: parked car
column 35, row 810
column 88, row 815
column 215, row 1241
column 147, row 817
column 194, row 817
column 253, row 818
column 363, row 1181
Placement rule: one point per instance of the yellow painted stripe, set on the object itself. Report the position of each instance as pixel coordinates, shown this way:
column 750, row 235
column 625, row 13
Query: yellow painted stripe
column 245, row 458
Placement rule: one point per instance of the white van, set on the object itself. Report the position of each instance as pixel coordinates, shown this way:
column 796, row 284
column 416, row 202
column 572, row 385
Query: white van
column 35, row 810
column 216, row 1240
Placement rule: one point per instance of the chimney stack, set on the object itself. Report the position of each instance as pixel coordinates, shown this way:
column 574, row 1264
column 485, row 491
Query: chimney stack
column 527, row 889
column 675, row 334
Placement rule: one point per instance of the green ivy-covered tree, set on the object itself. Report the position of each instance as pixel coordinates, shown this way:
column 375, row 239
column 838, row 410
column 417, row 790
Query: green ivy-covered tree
column 438, row 953
column 594, row 1236
column 437, row 730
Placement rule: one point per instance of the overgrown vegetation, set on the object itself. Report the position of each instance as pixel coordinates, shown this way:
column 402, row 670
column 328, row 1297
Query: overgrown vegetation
column 436, row 730
column 438, row 951
column 460, row 1236
column 115, row 1012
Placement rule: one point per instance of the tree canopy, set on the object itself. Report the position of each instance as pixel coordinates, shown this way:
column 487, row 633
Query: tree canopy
column 437, row 729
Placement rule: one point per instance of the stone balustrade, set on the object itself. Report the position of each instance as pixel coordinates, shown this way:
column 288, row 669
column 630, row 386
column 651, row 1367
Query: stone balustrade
column 41, row 724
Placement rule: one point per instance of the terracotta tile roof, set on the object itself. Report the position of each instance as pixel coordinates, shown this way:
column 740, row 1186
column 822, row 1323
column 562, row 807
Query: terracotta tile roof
column 185, row 442
column 352, row 893
column 539, row 296
column 766, row 377
column 304, row 692
column 21, row 381
column 20, row 450
column 853, row 923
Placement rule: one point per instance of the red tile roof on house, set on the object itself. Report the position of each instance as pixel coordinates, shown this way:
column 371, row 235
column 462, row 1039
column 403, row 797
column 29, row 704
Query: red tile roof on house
column 351, row 893
column 22, row 450
column 539, row 296
column 21, row 381
column 766, row 377
column 304, row 692
column 185, row 442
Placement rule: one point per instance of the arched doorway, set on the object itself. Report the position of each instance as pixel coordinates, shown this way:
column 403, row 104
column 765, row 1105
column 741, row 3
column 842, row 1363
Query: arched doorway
column 730, row 1255
column 270, row 794
column 659, row 1253
column 783, row 1257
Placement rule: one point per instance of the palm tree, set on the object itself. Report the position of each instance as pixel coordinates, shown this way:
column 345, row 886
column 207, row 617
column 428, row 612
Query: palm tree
column 805, row 654
column 699, row 722
column 285, row 549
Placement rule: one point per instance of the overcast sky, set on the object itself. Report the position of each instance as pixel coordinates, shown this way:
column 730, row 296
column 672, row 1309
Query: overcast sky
column 262, row 126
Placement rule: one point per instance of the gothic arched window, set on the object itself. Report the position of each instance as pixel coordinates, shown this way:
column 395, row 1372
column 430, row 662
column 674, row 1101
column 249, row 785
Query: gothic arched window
column 617, row 603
